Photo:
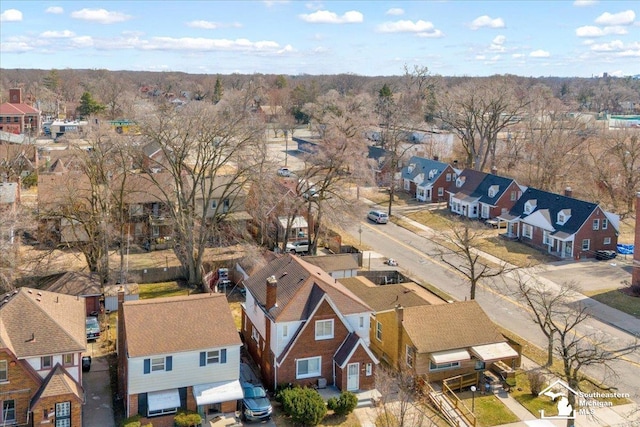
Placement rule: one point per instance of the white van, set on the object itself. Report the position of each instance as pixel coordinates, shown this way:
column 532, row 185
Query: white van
column 378, row 217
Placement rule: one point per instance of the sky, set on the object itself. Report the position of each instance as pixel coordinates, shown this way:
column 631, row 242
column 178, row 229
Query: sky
column 581, row 38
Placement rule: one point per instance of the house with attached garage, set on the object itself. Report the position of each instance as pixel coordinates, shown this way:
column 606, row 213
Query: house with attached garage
column 476, row 194
column 561, row 225
column 42, row 338
column 178, row 353
column 303, row 327
column 427, row 180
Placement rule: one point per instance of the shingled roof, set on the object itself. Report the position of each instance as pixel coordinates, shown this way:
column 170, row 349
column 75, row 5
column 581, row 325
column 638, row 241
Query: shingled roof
column 383, row 298
column 58, row 383
column 449, row 326
column 178, row 324
column 35, row 323
column 300, row 287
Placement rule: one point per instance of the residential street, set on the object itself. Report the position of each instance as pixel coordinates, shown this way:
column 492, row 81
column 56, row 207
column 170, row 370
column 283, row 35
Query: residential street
column 412, row 252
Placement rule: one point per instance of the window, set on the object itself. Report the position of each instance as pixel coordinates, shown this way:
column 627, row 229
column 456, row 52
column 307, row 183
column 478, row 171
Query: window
column 586, row 244
column 214, row 204
column 285, row 331
column 546, row 239
column 254, row 334
column 407, row 184
column 214, row 356
column 307, row 368
column 409, row 355
column 157, row 364
column 324, row 329
column 527, row 231
column 46, row 362
column 485, row 211
column 9, row 411
column 378, row 331
column 448, row 177
column 155, row 230
column 63, row 414
column 514, row 196
column 162, row 412
column 67, row 359
column 440, row 191
column 605, row 223
column 596, row 224
column 443, row 366
column 135, row 209
column 4, row 372
column 369, row 369
column 607, row 241
column 361, row 322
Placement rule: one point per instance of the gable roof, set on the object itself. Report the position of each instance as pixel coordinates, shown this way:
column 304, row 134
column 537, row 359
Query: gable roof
column 383, row 298
column 35, row 323
column 423, row 166
column 10, row 109
column 482, row 190
column 549, row 204
column 178, row 324
column 441, row 327
column 77, row 284
column 336, row 262
column 348, row 347
column 300, row 287
column 472, row 179
column 58, row 383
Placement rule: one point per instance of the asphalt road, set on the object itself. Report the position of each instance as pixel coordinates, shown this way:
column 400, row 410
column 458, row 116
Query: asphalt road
column 417, row 256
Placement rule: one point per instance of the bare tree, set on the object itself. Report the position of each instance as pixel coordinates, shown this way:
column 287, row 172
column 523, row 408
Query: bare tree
column 477, row 110
column 461, row 248
column 209, row 152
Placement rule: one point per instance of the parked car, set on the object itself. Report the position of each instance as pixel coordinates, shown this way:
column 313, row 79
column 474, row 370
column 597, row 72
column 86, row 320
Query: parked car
column 284, row 172
column 298, row 247
column 86, row 363
column 255, row 404
column 378, row 217
column 93, row 328
column 604, row 254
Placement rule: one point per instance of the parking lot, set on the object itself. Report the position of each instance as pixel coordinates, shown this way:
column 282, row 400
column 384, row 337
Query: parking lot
column 592, row 275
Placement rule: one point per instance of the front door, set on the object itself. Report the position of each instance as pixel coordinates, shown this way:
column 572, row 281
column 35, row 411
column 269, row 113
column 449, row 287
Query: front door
column 353, row 376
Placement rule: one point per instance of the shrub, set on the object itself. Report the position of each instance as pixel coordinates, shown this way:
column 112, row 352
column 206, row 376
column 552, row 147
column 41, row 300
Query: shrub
column 343, row 405
column 536, row 381
column 133, row 421
column 304, row 405
column 187, row 419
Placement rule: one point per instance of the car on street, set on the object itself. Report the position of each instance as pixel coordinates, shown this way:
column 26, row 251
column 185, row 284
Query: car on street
column 298, row 247
column 378, row 217
column 284, row 172
column 92, row 328
column 255, row 404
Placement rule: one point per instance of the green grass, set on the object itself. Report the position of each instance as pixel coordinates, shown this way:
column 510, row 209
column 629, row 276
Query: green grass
column 617, row 299
column 522, row 393
column 488, row 409
column 164, row 289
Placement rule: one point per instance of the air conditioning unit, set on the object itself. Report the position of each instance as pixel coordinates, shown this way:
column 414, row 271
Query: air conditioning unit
column 322, row 383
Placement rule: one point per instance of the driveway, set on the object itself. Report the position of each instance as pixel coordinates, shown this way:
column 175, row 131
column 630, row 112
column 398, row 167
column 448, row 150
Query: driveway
column 97, row 410
column 591, row 275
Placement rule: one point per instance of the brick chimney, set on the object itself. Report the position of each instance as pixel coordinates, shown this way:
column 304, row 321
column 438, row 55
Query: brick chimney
column 272, row 293
column 568, row 192
column 494, row 170
column 635, row 272
column 399, row 329
column 120, row 346
column 15, row 96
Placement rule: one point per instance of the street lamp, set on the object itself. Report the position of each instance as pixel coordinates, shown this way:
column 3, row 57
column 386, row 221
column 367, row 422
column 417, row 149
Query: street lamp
column 473, row 399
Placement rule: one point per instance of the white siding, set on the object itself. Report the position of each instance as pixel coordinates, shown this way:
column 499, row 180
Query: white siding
column 277, row 338
column 354, row 322
column 255, row 314
column 74, row 371
column 186, row 371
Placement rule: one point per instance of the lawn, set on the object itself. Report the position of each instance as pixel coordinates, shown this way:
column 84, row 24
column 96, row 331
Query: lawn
column 163, row 289
column 380, row 196
column 488, row 409
column 617, row 299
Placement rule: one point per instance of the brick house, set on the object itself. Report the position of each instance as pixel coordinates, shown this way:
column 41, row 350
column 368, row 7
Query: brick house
column 561, row 225
column 426, row 179
column 19, row 117
column 178, row 353
column 42, row 338
column 303, row 327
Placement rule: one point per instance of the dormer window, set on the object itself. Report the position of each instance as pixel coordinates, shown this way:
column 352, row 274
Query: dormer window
column 412, row 166
column 493, row 190
column 563, row 216
column 460, row 181
column 530, row 206
column 433, row 173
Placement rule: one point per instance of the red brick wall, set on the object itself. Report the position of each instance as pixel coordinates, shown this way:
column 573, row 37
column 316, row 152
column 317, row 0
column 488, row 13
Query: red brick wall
column 365, row 382
column 21, row 386
column 307, row 346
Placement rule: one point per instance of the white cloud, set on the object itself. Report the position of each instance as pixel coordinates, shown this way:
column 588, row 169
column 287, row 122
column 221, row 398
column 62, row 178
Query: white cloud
column 622, row 18
column 405, row 27
column 539, row 54
column 270, row 3
column 101, row 16
column 432, row 34
column 56, row 10
column 11, row 15
column 497, row 44
column 395, row 11
column 617, row 46
column 204, row 44
column 206, row 25
column 593, row 31
column 16, row 45
column 65, row 34
column 486, row 21
column 82, row 42
column 584, row 3
column 517, row 55
column 481, row 57
column 326, row 17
